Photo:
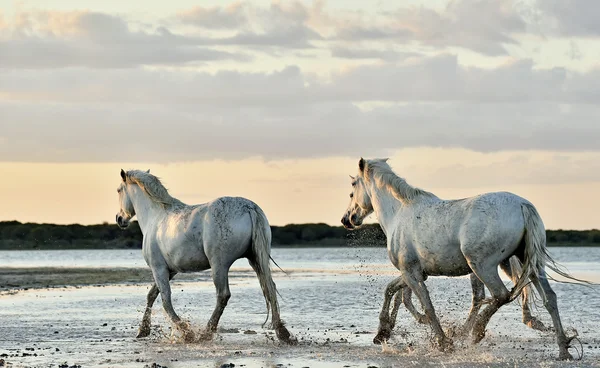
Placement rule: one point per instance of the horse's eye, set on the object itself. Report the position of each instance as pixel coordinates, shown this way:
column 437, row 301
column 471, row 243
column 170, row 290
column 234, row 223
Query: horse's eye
column 351, row 195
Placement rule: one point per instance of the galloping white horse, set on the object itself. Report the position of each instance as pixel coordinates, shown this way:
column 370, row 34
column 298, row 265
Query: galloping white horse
column 428, row 236
column 182, row 238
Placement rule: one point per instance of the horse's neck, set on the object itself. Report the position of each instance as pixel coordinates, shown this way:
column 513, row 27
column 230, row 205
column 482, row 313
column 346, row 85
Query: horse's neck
column 145, row 208
column 386, row 206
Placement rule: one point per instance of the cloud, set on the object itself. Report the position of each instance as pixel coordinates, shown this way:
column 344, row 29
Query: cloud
column 484, row 26
column 366, row 53
column 153, row 133
column 569, row 18
column 232, row 16
column 283, row 25
column 415, row 79
column 97, row 40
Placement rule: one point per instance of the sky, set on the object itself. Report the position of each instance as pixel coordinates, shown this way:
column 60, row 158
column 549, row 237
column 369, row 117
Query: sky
column 276, row 101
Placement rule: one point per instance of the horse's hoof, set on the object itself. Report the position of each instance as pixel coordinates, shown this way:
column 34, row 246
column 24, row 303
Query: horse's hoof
column 446, row 345
column 382, row 335
column 536, row 324
column 478, row 336
column 142, row 334
column 565, row 355
column 289, row 340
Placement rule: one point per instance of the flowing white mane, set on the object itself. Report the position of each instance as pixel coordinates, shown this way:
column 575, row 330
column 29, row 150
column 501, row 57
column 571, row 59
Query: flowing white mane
column 381, row 173
column 153, row 187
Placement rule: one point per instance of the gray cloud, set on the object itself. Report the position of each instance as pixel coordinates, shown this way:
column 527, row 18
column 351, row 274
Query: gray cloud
column 484, row 26
column 433, row 79
column 216, row 17
column 570, row 18
column 97, row 40
column 365, row 53
column 117, row 132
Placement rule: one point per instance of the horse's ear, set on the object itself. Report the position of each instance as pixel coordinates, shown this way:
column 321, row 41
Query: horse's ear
column 123, row 175
column 148, row 171
column 386, row 159
column 352, row 177
column 361, row 164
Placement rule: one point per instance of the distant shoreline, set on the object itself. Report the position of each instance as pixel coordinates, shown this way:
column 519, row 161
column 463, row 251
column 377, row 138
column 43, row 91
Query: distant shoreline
column 15, row 235
column 302, row 246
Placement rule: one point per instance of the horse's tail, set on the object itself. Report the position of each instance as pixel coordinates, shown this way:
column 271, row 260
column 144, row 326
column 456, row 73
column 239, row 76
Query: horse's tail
column 261, row 250
column 536, row 256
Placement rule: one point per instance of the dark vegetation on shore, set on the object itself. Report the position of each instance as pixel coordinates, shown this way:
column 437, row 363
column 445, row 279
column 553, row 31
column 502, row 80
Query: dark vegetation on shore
column 16, row 235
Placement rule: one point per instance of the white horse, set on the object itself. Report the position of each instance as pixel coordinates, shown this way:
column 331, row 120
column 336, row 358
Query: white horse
column 387, row 319
column 183, row 238
column 428, row 236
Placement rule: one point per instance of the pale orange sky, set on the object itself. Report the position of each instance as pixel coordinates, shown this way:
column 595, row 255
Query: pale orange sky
column 309, row 190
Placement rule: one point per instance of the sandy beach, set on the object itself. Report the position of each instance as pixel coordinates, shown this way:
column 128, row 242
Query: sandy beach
column 65, row 317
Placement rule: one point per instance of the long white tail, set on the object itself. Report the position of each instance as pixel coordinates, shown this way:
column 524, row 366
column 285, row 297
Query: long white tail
column 536, row 254
column 261, row 247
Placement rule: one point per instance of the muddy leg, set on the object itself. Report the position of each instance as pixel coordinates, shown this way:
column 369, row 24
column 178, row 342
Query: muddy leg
column 270, row 294
column 512, row 268
column 478, row 295
column 407, row 299
column 416, row 282
column 500, row 296
column 543, row 286
column 162, row 277
column 144, row 329
column 221, row 281
column 385, row 323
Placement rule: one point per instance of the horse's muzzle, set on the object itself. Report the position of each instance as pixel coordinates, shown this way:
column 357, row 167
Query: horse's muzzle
column 121, row 221
column 347, row 224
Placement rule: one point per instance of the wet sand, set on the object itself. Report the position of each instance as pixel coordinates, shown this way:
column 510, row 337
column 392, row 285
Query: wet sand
column 93, row 322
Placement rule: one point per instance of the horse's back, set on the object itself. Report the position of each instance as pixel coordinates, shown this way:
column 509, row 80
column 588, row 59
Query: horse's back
column 494, row 225
column 228, row 228
column 447, row 233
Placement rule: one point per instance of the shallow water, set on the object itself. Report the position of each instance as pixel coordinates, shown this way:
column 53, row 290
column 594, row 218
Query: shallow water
column 330, row 301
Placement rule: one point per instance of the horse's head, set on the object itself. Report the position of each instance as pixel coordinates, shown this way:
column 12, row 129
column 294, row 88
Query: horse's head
column 126, row 212
column 360, row 202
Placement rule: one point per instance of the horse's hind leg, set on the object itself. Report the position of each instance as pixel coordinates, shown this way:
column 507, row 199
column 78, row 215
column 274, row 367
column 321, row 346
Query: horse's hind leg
column 221, row 280
column 269, row 291
column 543, row 286
column 478, row 295
column 386, row 323
column 500, row 296
column 512, row 269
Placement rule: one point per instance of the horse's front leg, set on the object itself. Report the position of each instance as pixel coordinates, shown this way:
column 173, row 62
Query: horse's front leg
column 407, row 300
column 386, row 324
column 144, row 329
column 162, row 276
column 415, row 280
